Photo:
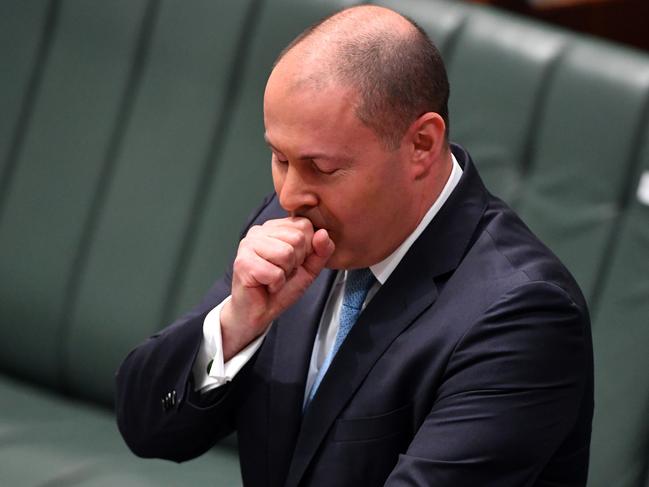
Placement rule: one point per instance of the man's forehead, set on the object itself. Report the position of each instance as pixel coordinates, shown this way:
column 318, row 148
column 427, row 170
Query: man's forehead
column 310, row 110
column 307, row 79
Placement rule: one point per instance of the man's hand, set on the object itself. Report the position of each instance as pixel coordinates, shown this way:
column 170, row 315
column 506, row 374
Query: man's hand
column 276, row 262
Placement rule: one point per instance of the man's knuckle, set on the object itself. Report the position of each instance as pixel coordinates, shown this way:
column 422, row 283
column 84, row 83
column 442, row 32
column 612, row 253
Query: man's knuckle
column 254, row 230
column 299, row 239
column 277, row 274
column 286, row 253
column 243, row 246
column 305, row 224
column 239, row 264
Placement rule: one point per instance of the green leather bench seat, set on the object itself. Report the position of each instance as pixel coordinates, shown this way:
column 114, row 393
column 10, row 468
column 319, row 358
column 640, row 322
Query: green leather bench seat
column 45, row 440
column 127, row 127
column 621, row 341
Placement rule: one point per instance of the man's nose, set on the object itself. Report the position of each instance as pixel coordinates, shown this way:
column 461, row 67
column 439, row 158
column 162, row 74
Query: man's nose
column 294, row 193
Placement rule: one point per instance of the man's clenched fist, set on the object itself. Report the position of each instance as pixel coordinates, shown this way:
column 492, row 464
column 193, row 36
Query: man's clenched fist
column 276, row 262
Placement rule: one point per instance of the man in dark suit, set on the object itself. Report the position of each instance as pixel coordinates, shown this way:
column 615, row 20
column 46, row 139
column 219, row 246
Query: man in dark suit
column 386, row 320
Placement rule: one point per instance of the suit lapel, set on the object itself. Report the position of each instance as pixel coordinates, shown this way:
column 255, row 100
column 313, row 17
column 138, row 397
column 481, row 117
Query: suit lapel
column 296, row 330
column 407, row 293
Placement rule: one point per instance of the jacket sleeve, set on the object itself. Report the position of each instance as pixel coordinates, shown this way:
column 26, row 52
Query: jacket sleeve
column 511, row 396
column 158, row 413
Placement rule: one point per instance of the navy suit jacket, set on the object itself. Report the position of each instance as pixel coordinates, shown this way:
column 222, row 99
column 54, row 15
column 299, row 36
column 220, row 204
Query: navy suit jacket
column 471, row 366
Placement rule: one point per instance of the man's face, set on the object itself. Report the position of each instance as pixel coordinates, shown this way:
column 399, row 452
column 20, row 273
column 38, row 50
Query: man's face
column 330, row 168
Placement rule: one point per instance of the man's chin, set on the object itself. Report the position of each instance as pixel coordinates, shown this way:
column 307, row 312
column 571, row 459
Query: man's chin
column 339, row 261
column 335, row 263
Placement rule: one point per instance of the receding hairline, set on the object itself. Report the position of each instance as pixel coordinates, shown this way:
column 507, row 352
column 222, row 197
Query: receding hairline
column 383, row 56
column 323, row 40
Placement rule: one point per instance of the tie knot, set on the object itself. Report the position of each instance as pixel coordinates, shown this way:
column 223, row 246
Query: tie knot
column 357, row 285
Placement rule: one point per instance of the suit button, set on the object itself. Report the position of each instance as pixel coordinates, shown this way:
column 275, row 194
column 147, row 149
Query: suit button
column 168, row 401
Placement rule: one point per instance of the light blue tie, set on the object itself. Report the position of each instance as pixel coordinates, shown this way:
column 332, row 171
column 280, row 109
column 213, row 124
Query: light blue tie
column 357, row 286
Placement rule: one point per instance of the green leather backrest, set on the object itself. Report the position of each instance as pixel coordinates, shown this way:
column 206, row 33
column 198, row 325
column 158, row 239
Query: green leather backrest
column 21, row 24
column 498, row 72
column 241, row 174
column 157, row 176
column 620, row 444
column 584, row 149
column 57, row 174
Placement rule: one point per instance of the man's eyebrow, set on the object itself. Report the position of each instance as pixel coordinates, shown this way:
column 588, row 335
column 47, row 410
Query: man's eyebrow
column 313, row 155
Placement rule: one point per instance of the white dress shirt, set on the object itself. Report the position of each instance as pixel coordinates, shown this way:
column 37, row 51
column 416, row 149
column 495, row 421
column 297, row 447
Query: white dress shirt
column 209, row 369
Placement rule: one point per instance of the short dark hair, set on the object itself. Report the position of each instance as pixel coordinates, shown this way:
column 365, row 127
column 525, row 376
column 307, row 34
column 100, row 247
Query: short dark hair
column 398, row 78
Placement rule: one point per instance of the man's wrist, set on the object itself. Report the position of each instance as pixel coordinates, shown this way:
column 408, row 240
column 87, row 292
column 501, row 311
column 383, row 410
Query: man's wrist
column 235, row 334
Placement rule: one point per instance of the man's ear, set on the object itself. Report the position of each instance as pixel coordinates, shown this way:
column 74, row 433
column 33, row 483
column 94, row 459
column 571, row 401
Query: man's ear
column 426, row 139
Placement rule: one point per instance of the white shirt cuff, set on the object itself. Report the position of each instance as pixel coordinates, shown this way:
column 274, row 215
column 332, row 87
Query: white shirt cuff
column 209, row 369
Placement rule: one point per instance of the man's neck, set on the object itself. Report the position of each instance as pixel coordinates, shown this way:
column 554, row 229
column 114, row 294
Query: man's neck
column 384, row 268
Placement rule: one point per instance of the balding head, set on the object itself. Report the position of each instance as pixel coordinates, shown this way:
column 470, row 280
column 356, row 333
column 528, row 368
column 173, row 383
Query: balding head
column 386, row 59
